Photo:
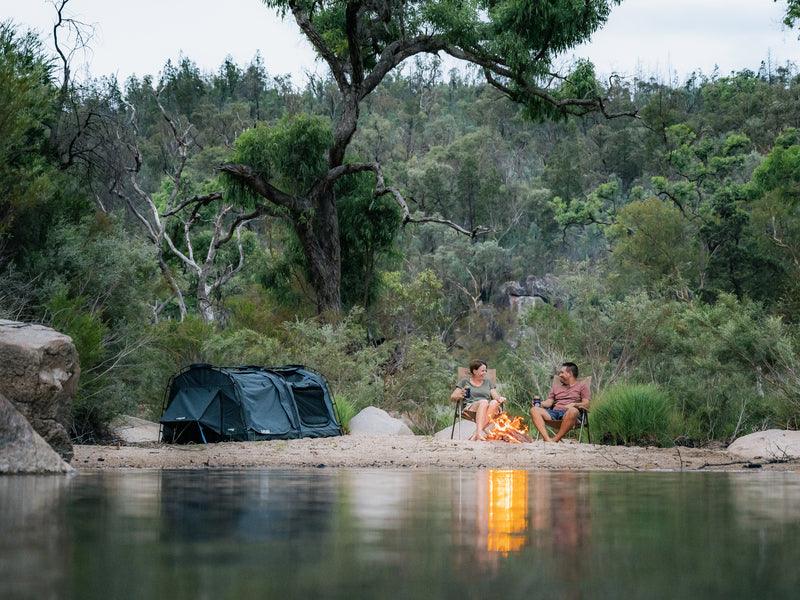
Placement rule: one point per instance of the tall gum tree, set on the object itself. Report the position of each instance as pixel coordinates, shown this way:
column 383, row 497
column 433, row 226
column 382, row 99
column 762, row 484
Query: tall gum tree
column 514, row 42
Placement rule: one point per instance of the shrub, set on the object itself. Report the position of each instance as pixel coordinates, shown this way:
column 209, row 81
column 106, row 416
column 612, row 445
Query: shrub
column 346, row 409
column 633, row 415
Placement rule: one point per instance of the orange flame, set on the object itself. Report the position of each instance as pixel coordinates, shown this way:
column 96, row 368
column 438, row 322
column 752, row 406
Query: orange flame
column 507, row 429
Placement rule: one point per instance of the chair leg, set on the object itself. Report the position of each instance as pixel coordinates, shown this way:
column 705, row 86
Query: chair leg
column 455, row 418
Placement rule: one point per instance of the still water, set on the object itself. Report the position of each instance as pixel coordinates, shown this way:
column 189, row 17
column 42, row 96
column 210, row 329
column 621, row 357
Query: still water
column 354, row 533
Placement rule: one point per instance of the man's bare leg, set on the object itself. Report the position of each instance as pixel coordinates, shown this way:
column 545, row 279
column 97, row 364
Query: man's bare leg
column 538, row 416
column 567, row 423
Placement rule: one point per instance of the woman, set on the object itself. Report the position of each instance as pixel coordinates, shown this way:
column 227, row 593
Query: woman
column 483, row 400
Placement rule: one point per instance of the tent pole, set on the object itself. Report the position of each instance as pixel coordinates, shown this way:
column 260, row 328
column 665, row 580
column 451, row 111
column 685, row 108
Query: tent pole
column 202, row 435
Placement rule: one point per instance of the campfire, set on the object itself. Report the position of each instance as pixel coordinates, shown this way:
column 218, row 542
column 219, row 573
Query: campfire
column 507, row 429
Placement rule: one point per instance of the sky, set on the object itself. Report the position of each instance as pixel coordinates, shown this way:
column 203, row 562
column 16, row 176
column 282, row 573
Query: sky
column 665, row 38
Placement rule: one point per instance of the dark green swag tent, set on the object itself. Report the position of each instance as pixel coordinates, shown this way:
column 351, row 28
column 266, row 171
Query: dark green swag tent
column 212, row 404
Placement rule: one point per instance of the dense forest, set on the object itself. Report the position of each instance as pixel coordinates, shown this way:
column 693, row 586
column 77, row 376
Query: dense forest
column 655, row 239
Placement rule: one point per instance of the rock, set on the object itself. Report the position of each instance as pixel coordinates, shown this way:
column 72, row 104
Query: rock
column 533, row 292
column 22, row 450
column 513, row 288
column 464, row 429
column 767, row 445
column 132, row 430
column 374, row 421
column 39, row 375
column 521, row 304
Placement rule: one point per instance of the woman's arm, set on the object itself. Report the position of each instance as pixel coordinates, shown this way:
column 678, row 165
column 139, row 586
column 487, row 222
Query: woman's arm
column 458, row 393
column 496, row 396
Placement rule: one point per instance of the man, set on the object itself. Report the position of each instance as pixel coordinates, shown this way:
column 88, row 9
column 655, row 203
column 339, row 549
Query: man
column 567, row 396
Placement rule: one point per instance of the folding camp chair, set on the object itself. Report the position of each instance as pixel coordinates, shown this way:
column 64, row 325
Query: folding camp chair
column 583, row 418
column 460, row 412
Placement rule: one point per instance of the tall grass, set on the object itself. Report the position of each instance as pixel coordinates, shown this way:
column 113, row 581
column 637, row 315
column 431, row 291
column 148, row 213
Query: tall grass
column 346, row 409
column 634, row 415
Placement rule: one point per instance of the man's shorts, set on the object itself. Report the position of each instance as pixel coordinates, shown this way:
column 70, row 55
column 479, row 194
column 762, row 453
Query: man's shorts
column 556, row 414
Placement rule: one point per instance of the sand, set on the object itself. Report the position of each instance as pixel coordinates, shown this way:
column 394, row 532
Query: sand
column 414, row 452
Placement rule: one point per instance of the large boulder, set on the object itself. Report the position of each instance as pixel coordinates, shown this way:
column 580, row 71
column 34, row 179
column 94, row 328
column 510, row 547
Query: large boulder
column 772, row 444
column 374, row 421
column 463, row 431
column 22, row 450
column 39, row 372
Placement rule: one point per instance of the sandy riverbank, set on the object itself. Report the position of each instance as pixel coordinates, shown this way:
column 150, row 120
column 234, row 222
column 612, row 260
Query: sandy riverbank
column 412, row 452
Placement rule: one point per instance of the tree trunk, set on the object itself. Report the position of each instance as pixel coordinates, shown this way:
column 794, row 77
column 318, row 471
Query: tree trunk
column 204, row 304
column 319, row 238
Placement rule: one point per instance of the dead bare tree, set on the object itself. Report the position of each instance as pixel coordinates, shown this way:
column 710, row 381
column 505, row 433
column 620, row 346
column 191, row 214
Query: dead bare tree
column 190, row 214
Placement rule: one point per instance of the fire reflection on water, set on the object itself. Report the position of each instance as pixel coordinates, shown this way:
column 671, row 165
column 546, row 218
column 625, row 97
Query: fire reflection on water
column 508, row 511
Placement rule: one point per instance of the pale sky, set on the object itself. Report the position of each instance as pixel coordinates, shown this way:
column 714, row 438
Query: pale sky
column 668, row 38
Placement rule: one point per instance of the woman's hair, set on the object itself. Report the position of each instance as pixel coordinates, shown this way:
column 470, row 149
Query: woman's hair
column 474, row 365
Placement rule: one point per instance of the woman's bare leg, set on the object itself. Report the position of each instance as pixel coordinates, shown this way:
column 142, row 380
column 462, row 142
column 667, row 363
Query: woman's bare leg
column 481, row 420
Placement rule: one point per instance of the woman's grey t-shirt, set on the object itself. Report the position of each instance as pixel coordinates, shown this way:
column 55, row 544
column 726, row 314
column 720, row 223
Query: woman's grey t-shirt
column 482, row 392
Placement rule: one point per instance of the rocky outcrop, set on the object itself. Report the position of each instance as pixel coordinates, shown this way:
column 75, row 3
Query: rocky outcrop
column 22, row 450
column 534, row 291
column 374, row 421
column 39, row 375
column 773, row 444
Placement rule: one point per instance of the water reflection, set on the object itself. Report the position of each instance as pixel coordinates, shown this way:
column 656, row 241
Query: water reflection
column 399, row 534
column 34, row 555
column 252, row 507
column 507, row 511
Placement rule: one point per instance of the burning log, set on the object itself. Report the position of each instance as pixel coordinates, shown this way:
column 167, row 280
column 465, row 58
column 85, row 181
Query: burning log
column 509, row 430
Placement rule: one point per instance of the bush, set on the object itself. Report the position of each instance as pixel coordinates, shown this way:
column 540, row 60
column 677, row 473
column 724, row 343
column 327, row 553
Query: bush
column 346, row 409
column 633, row 415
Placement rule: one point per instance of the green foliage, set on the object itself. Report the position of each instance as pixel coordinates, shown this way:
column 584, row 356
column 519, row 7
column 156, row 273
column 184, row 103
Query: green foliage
column 292, row 153
column 33, row 194
column 410, row 304
column 423, row 378
column 654, row 247
column 597, row 207
column 345, row 410
column 633, row 415
column 72, row 317
column 367, row 229
column 102, row 393
column 792, row 12
column 651, row 242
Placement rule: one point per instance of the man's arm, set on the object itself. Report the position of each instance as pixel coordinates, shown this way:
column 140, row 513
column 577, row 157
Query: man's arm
column 585, row 397
column 551, row 398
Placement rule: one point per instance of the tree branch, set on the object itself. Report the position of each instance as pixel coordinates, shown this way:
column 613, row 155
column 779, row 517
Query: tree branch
column 394, row 54
column 257, row 184
column 352, row 13
column 493, row 68
column 199, row 200
column 382, row 189
column 303, row 19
